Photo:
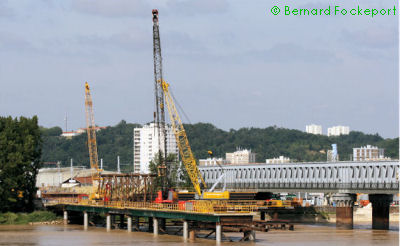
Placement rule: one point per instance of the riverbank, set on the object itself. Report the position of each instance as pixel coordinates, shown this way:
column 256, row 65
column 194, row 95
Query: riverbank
column 34, row 218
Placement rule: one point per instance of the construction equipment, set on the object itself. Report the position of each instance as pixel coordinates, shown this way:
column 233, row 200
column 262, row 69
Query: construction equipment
column 186, row 152
column 159, row 114
column 92, row 143
column 162, row 92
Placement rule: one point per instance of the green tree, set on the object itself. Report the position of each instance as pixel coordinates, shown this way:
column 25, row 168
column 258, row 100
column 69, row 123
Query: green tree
column 20, row 152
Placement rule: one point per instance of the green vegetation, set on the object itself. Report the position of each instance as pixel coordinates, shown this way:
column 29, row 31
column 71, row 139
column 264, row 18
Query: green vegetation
column 20, row 151
column 112, row 142
column 10, row 218
column 176, row 172
column 266, row 142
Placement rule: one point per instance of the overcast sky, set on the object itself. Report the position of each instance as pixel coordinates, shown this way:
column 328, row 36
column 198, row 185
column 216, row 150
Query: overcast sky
column 231, row 63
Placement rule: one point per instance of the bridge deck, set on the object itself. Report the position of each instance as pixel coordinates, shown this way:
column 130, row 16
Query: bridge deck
column 145, row 212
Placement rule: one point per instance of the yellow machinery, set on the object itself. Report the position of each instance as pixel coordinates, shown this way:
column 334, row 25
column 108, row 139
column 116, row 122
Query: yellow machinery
column 186, row 152
column 92, row 143
column 162, row 93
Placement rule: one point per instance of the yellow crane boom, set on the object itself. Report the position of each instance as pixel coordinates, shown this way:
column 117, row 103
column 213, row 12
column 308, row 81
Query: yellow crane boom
column 183, row 144
column 91, row 132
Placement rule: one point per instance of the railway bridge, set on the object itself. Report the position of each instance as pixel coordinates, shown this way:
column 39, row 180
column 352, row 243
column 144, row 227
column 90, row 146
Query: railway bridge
column 344, row 179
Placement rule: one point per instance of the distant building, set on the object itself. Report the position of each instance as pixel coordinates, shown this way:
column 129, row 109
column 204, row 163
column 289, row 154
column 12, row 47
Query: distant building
column 332, row 155
column 314, row 129
column 241, row 157
column 369, row 153
column 72, row 134
column 145, row 146
column 212, row 162
column 338, row 130
column 279, row 160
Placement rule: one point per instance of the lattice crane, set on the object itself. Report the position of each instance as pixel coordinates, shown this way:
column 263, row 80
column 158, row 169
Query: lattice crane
column 183, row 143
column 159, row 116
column 162, row 92
column 91, row 132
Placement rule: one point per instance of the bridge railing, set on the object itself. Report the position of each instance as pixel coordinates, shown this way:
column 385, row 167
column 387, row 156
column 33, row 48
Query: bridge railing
column 194, row 206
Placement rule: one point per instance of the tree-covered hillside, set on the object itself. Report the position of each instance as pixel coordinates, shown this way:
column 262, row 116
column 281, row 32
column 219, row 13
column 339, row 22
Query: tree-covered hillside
column 112, row 142
column 267, row 143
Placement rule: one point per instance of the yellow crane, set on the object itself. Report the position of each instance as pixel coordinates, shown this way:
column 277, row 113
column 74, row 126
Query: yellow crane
column 186, row 152
column 92, row 142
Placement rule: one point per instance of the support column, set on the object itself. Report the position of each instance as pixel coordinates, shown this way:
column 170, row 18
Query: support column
column 185, row 230
column 249, row 235
column 65, row 217
column 262, row 215
column 129, row 224
column 108, row 222
column 192, row 234
column 344, row 210
column 380, row 210
column 155, row 226
column 85, row 220
column 218, row 233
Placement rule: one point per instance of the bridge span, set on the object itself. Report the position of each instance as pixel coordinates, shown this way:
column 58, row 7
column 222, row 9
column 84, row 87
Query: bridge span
column 380, row 177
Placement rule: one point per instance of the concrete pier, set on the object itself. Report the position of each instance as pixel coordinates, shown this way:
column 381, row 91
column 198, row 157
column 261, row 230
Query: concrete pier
column 108, row 222
column 344, row 210
column 249, row 235
column 129, row 223
column 65, row 217
column 192, row 234
column 85, row 220
column 218, row 233
column 185, row 230
column 380, row 210
column 155, row 226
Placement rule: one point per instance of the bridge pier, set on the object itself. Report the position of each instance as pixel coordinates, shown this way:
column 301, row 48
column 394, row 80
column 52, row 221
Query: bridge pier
column 129, row 224
column 249, row 235
column 344, row 210
column 218, row 233
column 65, row 217
column 155, row 226
column 192, row 234
column 185, row 230
column 380, row 210
column 108, row 222
column 85, row 220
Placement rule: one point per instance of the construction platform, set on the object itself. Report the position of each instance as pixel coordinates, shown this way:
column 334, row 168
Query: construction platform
column 193, row 216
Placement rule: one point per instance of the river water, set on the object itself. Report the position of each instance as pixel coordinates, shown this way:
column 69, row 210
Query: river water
column 310, row 235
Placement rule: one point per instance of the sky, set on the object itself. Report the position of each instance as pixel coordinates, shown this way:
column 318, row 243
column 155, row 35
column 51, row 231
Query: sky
column 231, row 63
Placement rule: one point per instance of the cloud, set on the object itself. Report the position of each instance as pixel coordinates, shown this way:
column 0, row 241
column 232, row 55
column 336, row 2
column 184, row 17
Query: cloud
column 287, row 52
column 193, row 7
column 114, row 8
column 5, row 11
column 11, row 41
column 378, row 38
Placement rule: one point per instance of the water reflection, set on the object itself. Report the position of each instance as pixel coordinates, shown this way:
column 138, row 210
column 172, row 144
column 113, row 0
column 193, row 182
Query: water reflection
column 60, row 235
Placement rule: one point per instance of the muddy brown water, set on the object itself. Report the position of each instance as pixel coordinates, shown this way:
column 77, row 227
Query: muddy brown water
column 310, row 235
